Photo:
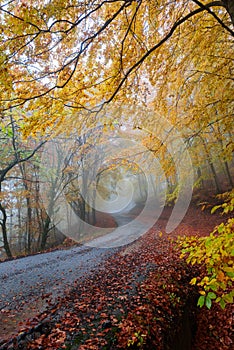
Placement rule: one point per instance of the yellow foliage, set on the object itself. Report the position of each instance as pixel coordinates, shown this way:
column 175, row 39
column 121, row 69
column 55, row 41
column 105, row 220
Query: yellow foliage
column 61, row 57
column 217, row 253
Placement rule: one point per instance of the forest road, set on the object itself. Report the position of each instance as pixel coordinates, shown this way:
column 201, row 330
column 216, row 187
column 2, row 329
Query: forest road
column 27, row 283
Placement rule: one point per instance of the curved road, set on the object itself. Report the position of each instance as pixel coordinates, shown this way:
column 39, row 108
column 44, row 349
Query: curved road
column 27, row 284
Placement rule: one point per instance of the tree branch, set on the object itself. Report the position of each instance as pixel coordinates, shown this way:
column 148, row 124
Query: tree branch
column 18, row 161
column 207, row 8
column 160, row 43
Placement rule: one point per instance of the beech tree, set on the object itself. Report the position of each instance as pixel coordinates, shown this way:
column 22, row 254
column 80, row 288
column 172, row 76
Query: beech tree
column 63, row 62
column 61, row 55
column 13, row 156
column 69, row 64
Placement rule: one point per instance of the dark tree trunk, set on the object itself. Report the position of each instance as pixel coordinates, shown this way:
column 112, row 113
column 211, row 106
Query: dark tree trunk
column 212, row 168
column 29, row 225
column 4, row 232
column 199, row 175
column 228, row 174
column 46, row 229
column 215, row 176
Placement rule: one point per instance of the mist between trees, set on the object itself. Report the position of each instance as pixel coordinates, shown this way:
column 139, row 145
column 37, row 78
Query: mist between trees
column 91, row 73
column 92, row 177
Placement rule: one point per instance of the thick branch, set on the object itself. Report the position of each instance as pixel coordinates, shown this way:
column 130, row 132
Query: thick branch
column 212, row 4
column 229, row 5
column 18, row 161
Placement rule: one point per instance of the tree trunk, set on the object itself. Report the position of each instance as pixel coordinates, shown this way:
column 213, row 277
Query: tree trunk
column 212, row 168
column 49, row 213
column 46, row 229
column 29, row 225
column 218, row 187
column 94, row 219
column 4, row 232
column 200, row 178
column 228, row 174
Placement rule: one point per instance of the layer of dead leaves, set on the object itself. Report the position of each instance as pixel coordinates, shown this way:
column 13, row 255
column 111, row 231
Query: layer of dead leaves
column 138, row 299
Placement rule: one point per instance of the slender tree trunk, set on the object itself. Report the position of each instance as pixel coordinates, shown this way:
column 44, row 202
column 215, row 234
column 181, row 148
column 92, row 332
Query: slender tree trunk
column 29, row 222
column 142, row 187
column 212, row 168
column 4, row 232
column 82, row 209
column 94, row 219
column 169, row 186
column 224, row 161
column 46, row 229
column 88, row 209
column 215, row 176
column 228, row 174
column 19, row 227
column 199, row 175
column 29, row 225
column 40, row 226
column 153, row 184
column 29, row 210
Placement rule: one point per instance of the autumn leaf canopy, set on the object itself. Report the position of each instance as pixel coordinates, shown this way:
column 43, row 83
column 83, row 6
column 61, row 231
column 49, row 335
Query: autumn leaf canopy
column 61, row 58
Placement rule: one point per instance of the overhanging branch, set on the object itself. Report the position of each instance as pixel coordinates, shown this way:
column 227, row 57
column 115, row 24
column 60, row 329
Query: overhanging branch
column 207, row 7
column 168, row 36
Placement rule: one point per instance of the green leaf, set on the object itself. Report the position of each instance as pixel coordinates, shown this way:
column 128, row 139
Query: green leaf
column 222, row 304
column 226, row 210
column 201, row 301
column 228, row 298
column 208, row 302
column 213, row 287
column 230, row 274
column 211, row 295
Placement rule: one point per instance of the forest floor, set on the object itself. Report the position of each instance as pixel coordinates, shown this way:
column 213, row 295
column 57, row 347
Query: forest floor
column 138, row 298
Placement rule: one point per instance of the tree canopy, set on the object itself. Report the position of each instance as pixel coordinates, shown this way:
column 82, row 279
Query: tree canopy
column 84, row 65
column 62, row 57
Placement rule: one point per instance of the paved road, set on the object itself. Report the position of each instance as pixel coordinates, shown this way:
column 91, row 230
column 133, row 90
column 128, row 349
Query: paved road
column 24, row 282
column 131, row 226
column 54, row 272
